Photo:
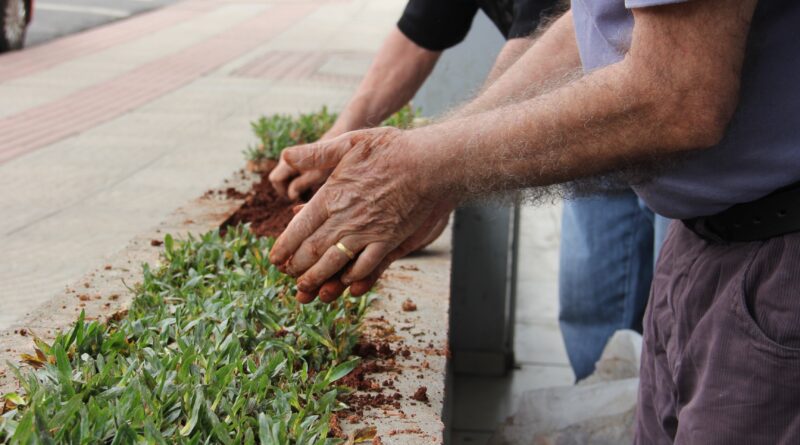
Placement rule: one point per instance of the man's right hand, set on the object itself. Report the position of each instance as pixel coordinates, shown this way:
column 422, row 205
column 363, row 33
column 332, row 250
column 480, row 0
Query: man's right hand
column 290, row 183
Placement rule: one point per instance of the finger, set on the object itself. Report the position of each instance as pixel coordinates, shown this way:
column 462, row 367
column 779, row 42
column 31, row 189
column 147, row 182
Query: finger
column 302, row 226
column 331, row 290
column 331, row 263
column 367, row 261
column 364, row 285
column 304, row 182
column 318, row 155
column 305, row 297
column 280, row 176
column 296, row 209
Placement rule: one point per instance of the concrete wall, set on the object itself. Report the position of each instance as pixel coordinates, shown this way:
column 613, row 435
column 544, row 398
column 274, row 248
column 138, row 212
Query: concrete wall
column 484, row 260
column 461, row 70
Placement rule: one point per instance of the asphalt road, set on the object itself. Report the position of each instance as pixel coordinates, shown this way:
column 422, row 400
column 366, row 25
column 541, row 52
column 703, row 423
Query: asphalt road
column 56, row 18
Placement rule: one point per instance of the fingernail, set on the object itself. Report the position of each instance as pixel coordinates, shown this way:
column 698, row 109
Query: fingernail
column 276, row 258
column 304, row 297
column 303, row 286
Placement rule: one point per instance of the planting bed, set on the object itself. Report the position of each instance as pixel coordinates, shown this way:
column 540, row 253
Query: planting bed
column 398, row 355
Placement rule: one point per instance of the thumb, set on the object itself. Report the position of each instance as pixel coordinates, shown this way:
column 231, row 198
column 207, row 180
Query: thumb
column 318, row 155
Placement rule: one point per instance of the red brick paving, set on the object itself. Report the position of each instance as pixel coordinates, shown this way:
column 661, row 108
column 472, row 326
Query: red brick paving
column 298, row 65
column 26, row 131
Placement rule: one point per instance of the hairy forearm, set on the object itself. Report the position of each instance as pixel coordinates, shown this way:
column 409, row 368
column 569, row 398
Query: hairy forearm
column 397, row 73
column 509, row 54
column 675, row 90
column 546, row 60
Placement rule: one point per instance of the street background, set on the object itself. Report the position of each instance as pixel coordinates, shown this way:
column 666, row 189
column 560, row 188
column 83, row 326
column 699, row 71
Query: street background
column 55, row 18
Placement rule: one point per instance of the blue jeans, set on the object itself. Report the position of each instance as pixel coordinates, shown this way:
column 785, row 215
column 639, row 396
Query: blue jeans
column 608, row 250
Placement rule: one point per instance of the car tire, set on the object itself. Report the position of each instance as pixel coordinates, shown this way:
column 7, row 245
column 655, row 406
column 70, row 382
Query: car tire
column 13, row 24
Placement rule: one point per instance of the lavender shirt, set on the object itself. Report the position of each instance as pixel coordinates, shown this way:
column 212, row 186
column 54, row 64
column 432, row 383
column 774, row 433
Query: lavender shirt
column 761, row 149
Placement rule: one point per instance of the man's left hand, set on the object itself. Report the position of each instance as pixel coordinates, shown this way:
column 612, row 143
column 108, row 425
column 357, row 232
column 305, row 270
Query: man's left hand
column 377, row 197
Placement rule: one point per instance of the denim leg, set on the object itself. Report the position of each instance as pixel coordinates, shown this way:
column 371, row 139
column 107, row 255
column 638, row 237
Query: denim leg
column 661, row 226
column 606, row 267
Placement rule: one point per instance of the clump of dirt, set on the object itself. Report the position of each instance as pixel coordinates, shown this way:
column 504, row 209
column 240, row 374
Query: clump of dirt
column 360, row 402
column 373, row 349
column 266, row 211
column 232, row 193
column 357, row 379
column 421, row 395
column 155, row 243
column 334, row 429
column 409, row 305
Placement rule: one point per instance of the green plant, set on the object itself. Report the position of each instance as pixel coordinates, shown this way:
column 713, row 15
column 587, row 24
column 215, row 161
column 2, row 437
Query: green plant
column 280, row 131
column 213, row 349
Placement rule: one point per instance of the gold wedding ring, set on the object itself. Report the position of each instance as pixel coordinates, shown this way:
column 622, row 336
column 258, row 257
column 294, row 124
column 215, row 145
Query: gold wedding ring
column 346, row 251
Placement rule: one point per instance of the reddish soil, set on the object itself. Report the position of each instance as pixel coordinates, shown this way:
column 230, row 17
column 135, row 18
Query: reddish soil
column 267, row 213
column 421, row 395
column 409, row 306
column 334, row 429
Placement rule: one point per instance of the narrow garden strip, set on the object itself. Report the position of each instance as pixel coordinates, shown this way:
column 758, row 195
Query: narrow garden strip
column 214, row 347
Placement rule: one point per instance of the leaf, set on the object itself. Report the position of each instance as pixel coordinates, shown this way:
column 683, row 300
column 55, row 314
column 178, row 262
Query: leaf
column 12, row 400
column 341, row 370
column 35, row 362
column 362, row 435
column 64, row 370
column 199, row 400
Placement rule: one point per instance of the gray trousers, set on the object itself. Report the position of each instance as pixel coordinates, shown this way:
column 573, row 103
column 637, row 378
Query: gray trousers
column 721, row 359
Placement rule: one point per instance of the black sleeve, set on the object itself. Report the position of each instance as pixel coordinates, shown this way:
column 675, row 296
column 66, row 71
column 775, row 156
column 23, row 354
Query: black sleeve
column 527, row 14
column 437, row 24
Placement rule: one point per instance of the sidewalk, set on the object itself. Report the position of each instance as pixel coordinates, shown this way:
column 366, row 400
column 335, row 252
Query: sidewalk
column 103, row 133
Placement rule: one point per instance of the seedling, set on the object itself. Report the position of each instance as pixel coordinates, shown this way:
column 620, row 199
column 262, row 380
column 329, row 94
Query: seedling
column 279, row 131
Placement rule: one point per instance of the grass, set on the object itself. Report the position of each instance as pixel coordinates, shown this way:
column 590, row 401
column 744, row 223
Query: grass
column 276, row 132
column 214, row 349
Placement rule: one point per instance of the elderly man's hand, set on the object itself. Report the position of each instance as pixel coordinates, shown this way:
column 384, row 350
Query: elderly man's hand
column 378, row 197
column 291, row 183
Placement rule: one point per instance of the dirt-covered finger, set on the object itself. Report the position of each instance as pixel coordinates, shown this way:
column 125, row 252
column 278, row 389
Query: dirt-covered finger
column 305, row 297
column 318, row 155
column 361, row 287
column 305, row 182
column 366, row 262
column 300, row 228
column 331, row 290
column 280, row 176
column 331, row 263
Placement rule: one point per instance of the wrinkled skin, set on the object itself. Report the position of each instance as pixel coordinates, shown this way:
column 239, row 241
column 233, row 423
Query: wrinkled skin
column 291, row 183
column 375, row 202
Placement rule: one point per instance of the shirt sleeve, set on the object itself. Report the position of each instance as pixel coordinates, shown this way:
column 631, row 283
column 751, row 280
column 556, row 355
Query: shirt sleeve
column 437, row 24
column 527, row 14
